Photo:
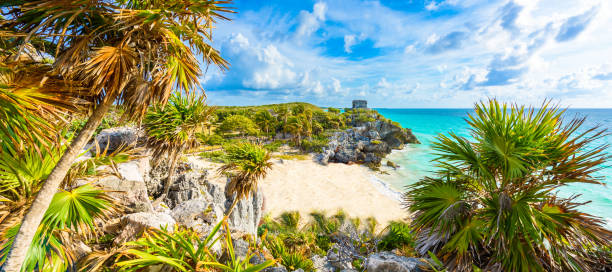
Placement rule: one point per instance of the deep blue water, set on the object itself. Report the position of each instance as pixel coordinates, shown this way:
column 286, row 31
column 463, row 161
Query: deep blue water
column 428, row 123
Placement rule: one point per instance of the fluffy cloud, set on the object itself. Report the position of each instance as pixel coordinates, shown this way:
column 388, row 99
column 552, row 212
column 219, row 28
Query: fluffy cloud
column 256, row 66
column 310, row 21
column 449, row 54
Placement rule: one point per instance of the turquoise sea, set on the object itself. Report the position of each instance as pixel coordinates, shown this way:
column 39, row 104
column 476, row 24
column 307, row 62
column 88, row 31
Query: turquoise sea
column 415, row 160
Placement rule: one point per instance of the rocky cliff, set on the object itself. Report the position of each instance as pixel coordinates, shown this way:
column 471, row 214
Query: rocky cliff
column 368, row 143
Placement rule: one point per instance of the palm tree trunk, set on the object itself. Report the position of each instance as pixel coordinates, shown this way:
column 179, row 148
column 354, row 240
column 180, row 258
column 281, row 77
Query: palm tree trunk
column 32, row 219
column 170, row 178
column 231, row 209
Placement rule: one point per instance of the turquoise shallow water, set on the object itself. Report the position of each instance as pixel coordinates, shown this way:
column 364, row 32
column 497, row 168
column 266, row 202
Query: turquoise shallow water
column 415, row 160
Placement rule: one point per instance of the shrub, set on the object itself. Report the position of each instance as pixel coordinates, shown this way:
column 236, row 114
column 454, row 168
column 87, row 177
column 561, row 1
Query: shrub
column 273, row 146
column 215, row 156
column 213, row 139
column 315, row 145
column 399, row 235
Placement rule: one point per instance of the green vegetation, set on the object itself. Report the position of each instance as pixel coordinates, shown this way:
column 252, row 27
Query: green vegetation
column 172, row 128
column 493, row 204
column 238, row 123
column 94, row 58
column 71, row 211
column 246, row 164
column 293, row 241
column 179, row 250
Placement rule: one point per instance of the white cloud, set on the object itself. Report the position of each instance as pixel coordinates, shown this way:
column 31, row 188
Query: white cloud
column 507, row 49
column 311, row 21
column 349, row 40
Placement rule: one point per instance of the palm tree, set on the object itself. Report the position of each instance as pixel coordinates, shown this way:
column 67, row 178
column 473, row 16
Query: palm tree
column 295, row 125
column 133, row 53
column 171, row 129
column 284, row 114
column 247, row 163
column 493, row 203
column 264, row 120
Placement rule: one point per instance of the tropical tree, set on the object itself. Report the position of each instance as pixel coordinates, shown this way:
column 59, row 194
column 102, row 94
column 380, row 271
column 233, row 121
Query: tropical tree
column 283, row 115
column 240, row 123
column 493, row 203
column 295, row 125
column 172, row 129
column 133, row 53
column 247, row 163
column 264, row 120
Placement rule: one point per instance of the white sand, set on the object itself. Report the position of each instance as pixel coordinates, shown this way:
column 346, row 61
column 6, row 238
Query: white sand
column 305, row 186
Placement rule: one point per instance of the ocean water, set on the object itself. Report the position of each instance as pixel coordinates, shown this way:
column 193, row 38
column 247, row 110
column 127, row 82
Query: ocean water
column 426, row 124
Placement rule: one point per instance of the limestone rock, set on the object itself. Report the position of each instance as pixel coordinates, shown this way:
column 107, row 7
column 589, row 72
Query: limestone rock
column 199, row 213
column 322, row 264
column 247, row 213
column 337, row 261
column 116, row 138
column 134, row 224
column 127, row 187
column 365, row 144
column 389, row 262
column 392, row 164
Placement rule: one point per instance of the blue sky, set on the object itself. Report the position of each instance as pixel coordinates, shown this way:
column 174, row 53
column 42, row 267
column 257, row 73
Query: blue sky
column 407, row 54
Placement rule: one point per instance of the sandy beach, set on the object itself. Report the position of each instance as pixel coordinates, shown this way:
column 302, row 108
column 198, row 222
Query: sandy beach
column 306, row 186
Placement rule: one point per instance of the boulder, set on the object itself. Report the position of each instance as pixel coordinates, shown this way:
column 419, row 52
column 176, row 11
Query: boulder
column 392, row 164
column 134, row 224
column 115, row 138
column 322, row 264
column 189, row 185
column 389, row 262
column 127, row 186
column 338, row 261
column 199, row 213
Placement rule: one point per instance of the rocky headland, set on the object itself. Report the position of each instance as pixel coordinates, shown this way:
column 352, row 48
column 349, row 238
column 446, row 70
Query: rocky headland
column 366, row 142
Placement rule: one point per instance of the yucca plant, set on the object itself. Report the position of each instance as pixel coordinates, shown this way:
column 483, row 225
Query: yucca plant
column 172, row 128
column 247, row 163
column 129, row 53
column 492, row 203
column 181, row 250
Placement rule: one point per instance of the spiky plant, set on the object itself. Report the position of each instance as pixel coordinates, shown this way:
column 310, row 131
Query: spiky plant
column 132, row 53
column 247, row 163
column 171, row 129
column 180, row 250
column 493, row 203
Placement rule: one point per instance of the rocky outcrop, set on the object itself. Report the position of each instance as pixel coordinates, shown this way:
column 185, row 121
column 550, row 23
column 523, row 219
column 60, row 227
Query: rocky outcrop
column 134, row 224
column 126, row 185
column 116, row 138
column 196, row 202
column 389, row 262
column 248, row 212
column 368, row 143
